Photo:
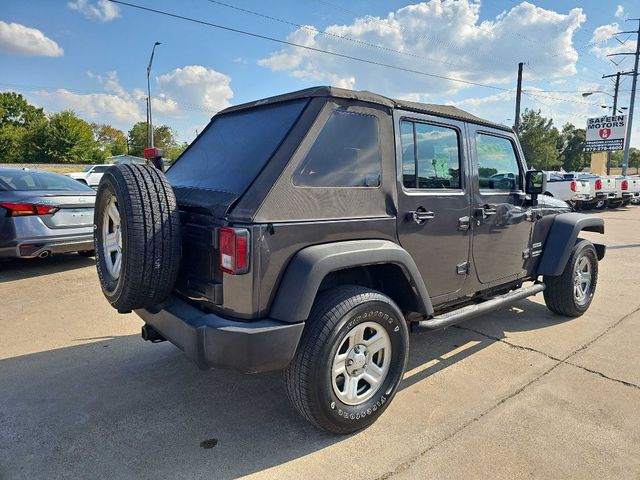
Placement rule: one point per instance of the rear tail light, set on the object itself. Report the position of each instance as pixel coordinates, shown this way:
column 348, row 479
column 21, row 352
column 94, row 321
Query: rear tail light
column 625, row 185
column 26, row 209
column 573, row 185
column 234, row 250
column 598, row 184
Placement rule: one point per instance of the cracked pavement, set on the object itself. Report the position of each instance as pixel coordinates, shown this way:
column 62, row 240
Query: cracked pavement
column 520, row 393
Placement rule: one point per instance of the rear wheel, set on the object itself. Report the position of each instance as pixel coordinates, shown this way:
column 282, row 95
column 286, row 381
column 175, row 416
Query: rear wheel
column 614, row 204
column 571, row 293
column 137, row 236
column 350, row 360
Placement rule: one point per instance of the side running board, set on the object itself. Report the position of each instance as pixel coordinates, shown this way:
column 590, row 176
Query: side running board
column 470, row 311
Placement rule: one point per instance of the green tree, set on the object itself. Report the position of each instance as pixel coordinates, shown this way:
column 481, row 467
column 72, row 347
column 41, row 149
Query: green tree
column 15, row 110
column 163, row 137
column 571, row 145
column 17, row 116
column 110, row 141
column 69, row 139
column 539, row 140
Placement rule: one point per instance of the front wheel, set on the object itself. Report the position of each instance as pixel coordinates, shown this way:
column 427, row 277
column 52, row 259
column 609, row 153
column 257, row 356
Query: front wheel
column 571, row 293
column 350, row 360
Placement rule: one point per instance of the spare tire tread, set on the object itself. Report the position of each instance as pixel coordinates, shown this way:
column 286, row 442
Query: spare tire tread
column 151, row 228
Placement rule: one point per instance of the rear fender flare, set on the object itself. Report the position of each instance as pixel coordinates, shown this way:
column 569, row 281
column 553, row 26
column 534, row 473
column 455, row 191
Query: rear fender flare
column 307, row 269
column 562, row 237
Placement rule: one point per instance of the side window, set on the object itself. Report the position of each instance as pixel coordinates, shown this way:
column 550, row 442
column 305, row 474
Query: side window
column 497, row 163
column 345, row 154
column 100, row 169
column 430, row 156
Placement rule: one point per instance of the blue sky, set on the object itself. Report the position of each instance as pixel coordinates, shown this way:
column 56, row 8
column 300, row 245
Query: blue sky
column 91, row 55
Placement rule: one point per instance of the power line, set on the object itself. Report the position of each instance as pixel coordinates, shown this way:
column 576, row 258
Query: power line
column 306, row 47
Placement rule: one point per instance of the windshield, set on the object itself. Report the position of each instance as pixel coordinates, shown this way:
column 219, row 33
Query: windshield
column 233, row 149
column 32, row 180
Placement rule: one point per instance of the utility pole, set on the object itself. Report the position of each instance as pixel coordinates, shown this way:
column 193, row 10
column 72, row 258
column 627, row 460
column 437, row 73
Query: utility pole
column 150, row 122
column 625, row 161
column 615, row 112
column 516, row 125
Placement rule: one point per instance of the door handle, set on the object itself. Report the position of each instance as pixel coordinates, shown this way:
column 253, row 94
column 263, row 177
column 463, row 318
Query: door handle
column 485, row 211
column 420, row 216
column 488, row 211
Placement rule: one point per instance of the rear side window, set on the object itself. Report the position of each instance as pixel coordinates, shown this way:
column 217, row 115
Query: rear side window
column 497, row 163
column 430, row 156
column 234, row 148
column 29, row 180
column 345, row 154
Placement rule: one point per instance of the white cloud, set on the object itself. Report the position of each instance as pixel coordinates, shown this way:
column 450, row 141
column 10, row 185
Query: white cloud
column 197, row 86
column 18, row 39
column 604, row 43
column 619, row 11
column 102, row 10
column 441, row 37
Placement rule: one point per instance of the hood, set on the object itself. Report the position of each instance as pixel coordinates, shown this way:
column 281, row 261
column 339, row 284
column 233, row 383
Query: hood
column 75, row 175
column 552, row 203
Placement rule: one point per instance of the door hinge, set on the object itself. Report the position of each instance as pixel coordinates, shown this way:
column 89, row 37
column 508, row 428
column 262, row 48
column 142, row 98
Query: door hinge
column 462, row 268
column 526, row 253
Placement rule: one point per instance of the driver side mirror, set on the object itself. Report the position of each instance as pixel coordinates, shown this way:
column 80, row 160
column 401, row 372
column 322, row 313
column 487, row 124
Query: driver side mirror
column 535, row 182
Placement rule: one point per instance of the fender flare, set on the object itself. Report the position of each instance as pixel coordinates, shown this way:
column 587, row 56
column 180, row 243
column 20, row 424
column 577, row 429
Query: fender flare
column 562, row 237
column 307, row 269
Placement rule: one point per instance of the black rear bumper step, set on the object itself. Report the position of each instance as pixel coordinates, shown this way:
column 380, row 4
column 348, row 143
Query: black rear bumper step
column 212, row 341
column 470, row 311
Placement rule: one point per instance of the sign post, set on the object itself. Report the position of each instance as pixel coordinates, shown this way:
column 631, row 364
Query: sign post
column 606, row 133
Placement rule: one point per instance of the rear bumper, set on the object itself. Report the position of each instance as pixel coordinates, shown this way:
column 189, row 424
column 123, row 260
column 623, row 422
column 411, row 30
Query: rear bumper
column 582, row 197
column 212, row 341
column 33, row 247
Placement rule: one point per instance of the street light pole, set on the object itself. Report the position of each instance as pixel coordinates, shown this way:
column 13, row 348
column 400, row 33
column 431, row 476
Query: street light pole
column 150, row 121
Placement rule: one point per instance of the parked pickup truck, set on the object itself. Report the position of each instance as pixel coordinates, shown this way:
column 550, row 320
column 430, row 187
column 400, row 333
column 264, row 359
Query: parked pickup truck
column 634, row 188
column 312, row 231
column 623, row 185
column 607, row 192
column 90, row 176
column 569, row 188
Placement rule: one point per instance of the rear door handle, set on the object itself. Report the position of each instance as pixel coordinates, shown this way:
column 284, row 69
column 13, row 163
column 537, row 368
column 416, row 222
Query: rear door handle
column 420, row 216
column 485, row 211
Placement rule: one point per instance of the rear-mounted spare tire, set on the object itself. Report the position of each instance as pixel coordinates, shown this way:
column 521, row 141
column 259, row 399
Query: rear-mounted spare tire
column 137, row 236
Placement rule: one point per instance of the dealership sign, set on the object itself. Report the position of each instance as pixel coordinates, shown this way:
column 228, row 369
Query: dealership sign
column 605, row 133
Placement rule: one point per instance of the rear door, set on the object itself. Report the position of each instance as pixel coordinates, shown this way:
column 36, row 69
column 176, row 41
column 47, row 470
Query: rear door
column 433, row 199
column 502, row 221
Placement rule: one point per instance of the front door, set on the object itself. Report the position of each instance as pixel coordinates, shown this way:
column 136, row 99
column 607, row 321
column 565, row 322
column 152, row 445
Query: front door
column 501, row 217
column 433, row 199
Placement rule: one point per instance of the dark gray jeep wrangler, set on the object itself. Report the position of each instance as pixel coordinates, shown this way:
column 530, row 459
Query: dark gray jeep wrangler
column 313, row 231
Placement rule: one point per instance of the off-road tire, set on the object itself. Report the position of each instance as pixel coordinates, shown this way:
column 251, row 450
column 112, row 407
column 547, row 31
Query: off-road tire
column 559, row 293
column 308, row 376
column 150, row 234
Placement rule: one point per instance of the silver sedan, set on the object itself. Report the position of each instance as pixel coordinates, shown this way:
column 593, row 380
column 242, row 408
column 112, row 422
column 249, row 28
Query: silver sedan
column 42, row 213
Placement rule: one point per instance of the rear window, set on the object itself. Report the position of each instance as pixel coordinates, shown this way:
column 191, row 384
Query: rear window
column 345, row 154
column 27, row 180
column 234, row 148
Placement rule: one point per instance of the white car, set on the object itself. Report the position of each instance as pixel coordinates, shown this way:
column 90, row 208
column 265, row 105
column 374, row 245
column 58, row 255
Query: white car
column 91, row 175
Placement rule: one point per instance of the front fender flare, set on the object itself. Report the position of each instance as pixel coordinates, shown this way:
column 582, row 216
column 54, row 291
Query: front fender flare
column 309, row 266
column 562, row 237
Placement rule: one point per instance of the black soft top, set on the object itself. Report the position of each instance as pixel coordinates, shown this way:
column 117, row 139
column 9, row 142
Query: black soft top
column 447, row 111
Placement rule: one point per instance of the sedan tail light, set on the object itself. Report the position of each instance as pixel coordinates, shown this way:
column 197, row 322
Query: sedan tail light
column 598, row 184
column 625, row 185
column 26, row 209
column 573, row 185
column 234, row 250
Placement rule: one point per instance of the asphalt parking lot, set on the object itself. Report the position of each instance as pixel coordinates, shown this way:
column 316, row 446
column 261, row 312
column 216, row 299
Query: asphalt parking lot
column 521, row 393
